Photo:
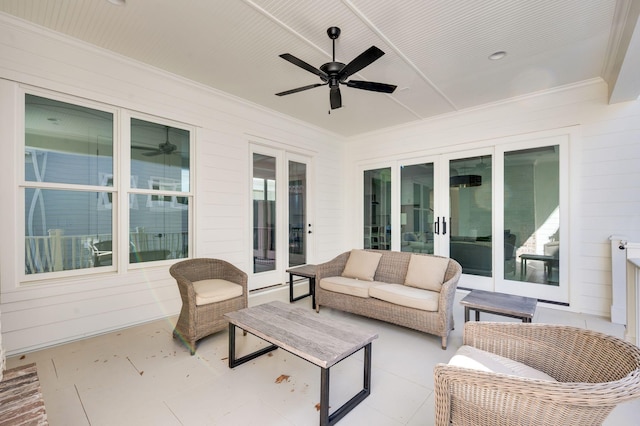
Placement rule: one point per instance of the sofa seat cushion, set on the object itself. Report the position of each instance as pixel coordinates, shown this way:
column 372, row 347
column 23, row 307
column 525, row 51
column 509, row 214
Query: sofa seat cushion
column 426, row 272
column 361, row 265
column 403, row 295
column 350, row 286
column 477, row 359
column 215, row 290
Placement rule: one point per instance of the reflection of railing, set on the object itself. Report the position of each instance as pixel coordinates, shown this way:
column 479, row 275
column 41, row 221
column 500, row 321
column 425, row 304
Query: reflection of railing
column 57, row 252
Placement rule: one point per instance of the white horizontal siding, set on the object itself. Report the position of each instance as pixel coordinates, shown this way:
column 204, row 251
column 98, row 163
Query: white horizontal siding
column 605, row 171
column 50, row 313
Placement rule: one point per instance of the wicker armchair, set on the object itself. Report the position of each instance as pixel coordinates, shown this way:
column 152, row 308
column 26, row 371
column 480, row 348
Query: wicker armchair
column 200, row 316
column 594, row 373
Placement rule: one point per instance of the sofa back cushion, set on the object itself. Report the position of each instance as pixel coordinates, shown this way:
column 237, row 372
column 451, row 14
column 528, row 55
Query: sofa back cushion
column 361, row 265
column 426, row 272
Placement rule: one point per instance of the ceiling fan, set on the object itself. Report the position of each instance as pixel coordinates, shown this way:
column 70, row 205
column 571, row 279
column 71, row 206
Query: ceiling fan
column 335, row 73
column 165, row 148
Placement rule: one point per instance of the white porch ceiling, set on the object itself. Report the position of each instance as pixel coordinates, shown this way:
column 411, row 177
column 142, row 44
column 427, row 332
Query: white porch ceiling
column 436, row 51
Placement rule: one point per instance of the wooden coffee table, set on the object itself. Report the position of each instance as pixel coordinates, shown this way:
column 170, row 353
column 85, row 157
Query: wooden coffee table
column 321, row 341
column 507, row 305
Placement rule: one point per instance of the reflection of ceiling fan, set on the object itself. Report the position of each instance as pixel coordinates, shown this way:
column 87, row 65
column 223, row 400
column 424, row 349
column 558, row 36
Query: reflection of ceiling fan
column 165, row 148
column 335, row 73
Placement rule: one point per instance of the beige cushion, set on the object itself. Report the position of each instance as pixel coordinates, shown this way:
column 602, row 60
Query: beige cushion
column 349, row 286
column 215, row 290
column 403, row 295
column 477, row 359
column 426, row 272
column 361, row 265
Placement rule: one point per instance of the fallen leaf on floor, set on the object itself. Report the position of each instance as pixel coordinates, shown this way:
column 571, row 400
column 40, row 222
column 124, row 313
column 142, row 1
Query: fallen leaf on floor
column 270, row 354
column 282, row 378
column 318, row 406
column 141, row 373
column 23, row 357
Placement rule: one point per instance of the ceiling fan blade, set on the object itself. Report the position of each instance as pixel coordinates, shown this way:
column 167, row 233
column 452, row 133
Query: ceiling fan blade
column 335, row 97
column 300, row 89
column 152, row 154
column 302, row 64
column 365, row 58
column 144, row 148
column 371, row 85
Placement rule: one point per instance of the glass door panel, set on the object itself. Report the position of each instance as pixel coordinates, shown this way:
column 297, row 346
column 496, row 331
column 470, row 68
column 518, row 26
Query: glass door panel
column 298, row 214
column 377, row 209
column 532, row 215
column 264, row 213
column 470, row 214
column 416, row 208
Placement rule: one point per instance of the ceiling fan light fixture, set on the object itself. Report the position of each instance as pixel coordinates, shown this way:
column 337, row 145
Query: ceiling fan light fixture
column 496, row 56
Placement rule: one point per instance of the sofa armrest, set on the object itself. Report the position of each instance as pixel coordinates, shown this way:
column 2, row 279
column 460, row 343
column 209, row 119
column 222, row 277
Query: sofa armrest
column 332, row 268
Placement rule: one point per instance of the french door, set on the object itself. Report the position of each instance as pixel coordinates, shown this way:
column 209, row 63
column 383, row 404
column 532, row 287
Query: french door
column 495, row 210
column 280, row 219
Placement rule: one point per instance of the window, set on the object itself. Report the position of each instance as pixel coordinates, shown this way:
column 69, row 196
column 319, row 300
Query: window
column 73, row 193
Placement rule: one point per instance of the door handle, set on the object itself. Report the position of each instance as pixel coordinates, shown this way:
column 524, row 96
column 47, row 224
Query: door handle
column 436, row 226
column 444, row 226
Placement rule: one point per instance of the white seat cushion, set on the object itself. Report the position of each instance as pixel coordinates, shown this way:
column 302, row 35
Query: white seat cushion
column 406, row 296
column 349, row 286
column 361, row 265
column 477, row 359
column 426, row 272
column 215, row 290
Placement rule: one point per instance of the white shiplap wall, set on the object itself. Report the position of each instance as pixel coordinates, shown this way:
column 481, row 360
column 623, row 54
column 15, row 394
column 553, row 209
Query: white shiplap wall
column 604, row 167
column 45, row 313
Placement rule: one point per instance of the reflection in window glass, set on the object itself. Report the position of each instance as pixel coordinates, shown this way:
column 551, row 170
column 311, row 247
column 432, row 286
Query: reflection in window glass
column 159, row 227
column 70, row 145
column 66, row 143
column 159, row 221
column 416, row 208
column 377, row 209
column 66, row 230
column 264, row 213
column 470, row 221
column 297, row 213
column 532, row 215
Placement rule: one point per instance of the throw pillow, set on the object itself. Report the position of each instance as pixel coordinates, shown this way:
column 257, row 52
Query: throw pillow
column 361, row 265
column 426, row 272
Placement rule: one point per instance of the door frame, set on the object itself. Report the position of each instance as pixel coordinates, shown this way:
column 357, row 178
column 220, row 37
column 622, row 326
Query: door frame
column 282, row 155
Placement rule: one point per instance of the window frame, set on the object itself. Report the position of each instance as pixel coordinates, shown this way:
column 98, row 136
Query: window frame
column 120, row 192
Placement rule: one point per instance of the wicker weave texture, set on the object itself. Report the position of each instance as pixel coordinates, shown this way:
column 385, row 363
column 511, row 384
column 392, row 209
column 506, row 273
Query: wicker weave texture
column 595, row 372
column 392, row 269
column 196, row 322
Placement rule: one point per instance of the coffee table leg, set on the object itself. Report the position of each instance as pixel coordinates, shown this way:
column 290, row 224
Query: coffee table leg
column 325, row 418
column 233, row 361
column 466, row 314
column 290, row 288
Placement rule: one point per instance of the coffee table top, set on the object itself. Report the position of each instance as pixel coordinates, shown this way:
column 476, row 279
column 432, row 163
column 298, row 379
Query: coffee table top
column 508, row 304
column 320, row 340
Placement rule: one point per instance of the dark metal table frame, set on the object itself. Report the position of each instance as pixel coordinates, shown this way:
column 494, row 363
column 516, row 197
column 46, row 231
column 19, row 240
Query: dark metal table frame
column 525, row 313
column 305, row 271
column 325, row 418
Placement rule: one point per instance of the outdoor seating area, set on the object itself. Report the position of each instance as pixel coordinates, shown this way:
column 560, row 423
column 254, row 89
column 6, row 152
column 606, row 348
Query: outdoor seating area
column 142, row 376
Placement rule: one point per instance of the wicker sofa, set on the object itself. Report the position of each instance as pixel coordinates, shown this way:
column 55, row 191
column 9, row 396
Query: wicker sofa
column 392, row 268
column 593, row 373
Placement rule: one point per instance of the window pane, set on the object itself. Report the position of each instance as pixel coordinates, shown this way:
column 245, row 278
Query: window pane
column 532, row 214
column 264, row 213
column 377, row 209
column 66, row 230
column 159, row 227
column 416, row 216
column 470, row 224
column 297, row 213
column 67, row 143
column 159, row 157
